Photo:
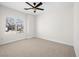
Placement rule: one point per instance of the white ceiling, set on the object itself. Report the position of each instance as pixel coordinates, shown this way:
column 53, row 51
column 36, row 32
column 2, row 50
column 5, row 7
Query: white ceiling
column 21, row 5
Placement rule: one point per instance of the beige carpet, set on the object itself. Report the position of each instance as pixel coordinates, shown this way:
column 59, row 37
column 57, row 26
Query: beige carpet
column 36, row 47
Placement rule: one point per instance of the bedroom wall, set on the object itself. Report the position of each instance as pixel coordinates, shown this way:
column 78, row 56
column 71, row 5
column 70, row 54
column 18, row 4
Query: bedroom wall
column 29, row 28
column 76, row 28
column 56, row 23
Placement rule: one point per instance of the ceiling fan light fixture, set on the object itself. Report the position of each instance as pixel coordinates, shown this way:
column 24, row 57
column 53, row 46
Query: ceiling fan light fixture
column 34, row 6
column 34, row 11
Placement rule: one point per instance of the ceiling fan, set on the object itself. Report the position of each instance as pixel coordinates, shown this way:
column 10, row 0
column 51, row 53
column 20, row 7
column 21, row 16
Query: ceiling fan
column 35, row 6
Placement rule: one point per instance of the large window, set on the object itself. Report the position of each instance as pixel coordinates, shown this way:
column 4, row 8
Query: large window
column 14, row 24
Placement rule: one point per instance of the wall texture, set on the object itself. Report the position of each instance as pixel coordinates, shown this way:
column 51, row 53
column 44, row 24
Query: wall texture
column 29, row 28
column 56, row 24
column 76, row 28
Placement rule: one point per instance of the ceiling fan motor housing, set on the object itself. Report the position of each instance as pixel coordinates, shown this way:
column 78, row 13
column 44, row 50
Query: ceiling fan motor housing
column 34, row 4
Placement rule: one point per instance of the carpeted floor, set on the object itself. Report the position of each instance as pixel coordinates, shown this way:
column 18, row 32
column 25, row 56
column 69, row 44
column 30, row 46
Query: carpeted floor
column 36, row 47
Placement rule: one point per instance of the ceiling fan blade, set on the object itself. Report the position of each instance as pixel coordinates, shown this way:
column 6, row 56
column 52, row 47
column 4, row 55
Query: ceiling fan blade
column 38, row 5
column 28, row 8
column 39, row 8
column 29, row 4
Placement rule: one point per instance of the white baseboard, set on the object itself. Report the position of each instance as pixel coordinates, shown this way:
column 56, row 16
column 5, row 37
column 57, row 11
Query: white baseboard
column 54, row 40
column 10, row 41
column 6, row 42
column 30, row 36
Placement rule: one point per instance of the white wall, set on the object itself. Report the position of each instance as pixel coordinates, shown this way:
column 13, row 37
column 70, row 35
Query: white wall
column 29, row 27
column 56, row 24
column 76, row 28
